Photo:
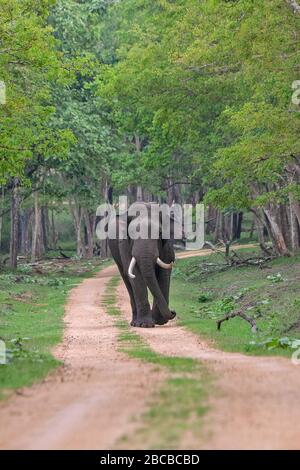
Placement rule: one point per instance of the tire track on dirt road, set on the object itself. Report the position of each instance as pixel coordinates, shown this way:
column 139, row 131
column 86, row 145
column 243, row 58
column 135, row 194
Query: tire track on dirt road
column 90, row 402
column 254, row 402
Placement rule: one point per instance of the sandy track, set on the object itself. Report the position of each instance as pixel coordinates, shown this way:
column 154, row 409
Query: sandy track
column 254, row 402
column 91, row 401
column 208, row 251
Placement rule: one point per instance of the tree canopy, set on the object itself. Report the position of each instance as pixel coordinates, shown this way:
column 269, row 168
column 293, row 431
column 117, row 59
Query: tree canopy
column 184, row 101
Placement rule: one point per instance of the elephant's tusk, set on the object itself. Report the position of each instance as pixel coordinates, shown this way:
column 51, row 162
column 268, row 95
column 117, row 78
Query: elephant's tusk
column 130, row 269
column 164, row 265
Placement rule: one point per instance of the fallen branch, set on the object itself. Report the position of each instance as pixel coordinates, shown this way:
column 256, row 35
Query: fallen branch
column 240, row 314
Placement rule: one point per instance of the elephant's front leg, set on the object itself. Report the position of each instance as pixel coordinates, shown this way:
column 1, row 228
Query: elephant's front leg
column 163, row 278
column 120, row 260
column 167, row 254
column 143, row 311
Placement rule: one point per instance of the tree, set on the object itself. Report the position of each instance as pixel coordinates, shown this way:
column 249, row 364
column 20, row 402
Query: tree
column 208, row 87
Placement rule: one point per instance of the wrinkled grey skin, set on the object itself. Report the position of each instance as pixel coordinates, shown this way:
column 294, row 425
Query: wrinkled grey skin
column 147, row 274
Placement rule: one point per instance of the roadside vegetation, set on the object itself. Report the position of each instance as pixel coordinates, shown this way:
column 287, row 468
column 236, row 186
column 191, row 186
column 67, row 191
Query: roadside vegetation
column 32, row 301
column 180, row 402
column 268, row 294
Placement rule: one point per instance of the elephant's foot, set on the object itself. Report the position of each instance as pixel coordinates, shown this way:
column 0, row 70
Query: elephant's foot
column 160, row 320
column 143, row 323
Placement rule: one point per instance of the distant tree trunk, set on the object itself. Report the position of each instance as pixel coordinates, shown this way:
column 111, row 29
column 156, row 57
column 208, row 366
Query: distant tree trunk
column 131, row 193
column 211, row 220
column 89, row 225
column 139, row 194
column 76, row 213
column 138, row 148
column 25, row 219
column 53, row 233
column 36, row 249
column 14, row 233
column 44, row 227
column 251, row 234
column 294, row 228
column 107, row 191
column 218, row 227
column 275, row 232
column 258, row 219
column 173, row 193
column 239, row 225
column 226, row 227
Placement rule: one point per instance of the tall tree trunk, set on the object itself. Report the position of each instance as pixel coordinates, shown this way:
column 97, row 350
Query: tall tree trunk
column 89, row 233
column 211, row 220
column 239, row 225
column 293, row 225
column 251, row 234
column 26, row 234
column 138, row 148
column 14, row 233
column 218, row 227
column 44, row 227
column 276, row 233
column 108, row 196
column 173, row 193
column 53, row 232
column 258, row 219
column 36, row 249
column 25, row 219
column 76, row 213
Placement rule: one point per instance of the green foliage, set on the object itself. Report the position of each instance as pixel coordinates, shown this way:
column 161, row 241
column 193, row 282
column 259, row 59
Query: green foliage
column 273, row 303
column 207, row 85
column 275, row 343
column 29, row 65
column 77, row 27
column 31, row 311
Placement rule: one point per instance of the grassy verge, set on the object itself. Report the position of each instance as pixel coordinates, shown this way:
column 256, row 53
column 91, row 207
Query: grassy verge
column 31, row 312
column 179, row 405
column 270, row 295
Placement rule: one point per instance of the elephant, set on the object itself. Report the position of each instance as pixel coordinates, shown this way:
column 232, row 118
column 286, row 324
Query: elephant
column 145, row 264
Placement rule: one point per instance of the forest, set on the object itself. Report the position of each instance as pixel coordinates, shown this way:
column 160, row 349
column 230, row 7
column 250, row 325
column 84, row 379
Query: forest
column 145, row 344
column 182, row 101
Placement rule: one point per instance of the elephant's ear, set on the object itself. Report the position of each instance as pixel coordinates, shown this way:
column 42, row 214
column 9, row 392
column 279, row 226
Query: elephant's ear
column 126, row 220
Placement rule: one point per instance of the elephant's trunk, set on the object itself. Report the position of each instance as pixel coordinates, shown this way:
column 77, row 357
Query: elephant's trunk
column 149, row 276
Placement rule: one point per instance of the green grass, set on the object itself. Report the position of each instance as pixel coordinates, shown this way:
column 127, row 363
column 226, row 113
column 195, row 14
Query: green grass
column 179, row 404
column 271, row 293
column 31, row 318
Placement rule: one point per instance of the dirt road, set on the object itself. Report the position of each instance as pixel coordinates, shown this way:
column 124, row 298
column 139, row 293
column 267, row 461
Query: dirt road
column 254, row 402
column 89, row 403
column 99, row 394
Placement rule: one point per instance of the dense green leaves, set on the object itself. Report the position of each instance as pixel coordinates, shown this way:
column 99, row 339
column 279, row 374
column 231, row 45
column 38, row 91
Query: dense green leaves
column 209, row 85
column 189, row 95
column 29, row 64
